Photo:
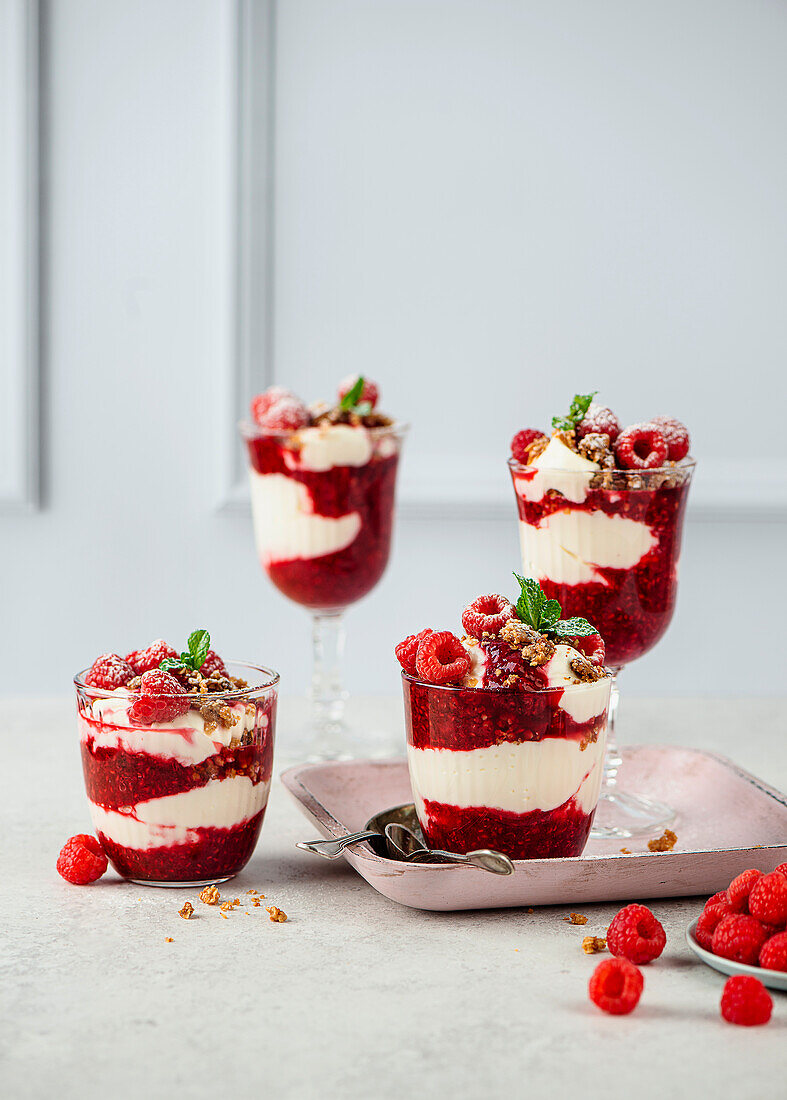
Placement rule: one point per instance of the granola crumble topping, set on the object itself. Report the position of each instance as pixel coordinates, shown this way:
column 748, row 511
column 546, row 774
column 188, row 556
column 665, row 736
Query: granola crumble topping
column 587, row 672
column 575, row 918
column 186, row 911
column 595, row 447
column 591, row 945
column 665, row 843
column 210, row 895
column 277, row 915
column 535, row 648
column 536, row 448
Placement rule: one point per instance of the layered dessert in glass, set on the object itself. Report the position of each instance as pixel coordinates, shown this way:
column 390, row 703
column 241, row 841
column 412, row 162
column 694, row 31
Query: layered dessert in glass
column 177, row 753
column 601, row 515
column 322, row 495
column 506, row 728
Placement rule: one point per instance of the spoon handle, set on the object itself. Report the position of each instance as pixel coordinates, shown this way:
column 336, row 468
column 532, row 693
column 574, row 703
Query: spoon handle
column 331, row 849
column 485, row 858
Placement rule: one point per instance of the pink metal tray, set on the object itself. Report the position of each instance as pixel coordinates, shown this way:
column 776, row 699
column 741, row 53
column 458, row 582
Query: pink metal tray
column 727, row 820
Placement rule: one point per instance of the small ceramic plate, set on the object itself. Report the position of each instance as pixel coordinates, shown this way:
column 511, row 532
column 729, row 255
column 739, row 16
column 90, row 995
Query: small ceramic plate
column 774, row 979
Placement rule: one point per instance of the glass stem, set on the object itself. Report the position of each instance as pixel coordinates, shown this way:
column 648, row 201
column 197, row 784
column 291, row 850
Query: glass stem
column 327, row 692
column 612, row 759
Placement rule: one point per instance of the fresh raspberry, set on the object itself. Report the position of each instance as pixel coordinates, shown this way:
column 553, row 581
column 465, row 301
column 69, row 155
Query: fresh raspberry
column 636, row 935
column 739, row 889
column 641, row 447
column 676, row 435
column 263, row 402
column 589, row 645
column 487, row 615
column 717, row 899
column 370, row 391
column 773, row 954
column 708, row 922
column 407, row 650
column 616, row 986
column 739, row 937
column 768, row 899
column 600, row 419
column 109, row 671
column 161, row 699
column 286, row 415
column 213, row 663
column 745, row 1001
column 782, row 868
column 81, row 860
column 143, row 660
column 521, row 442
column 441, row 658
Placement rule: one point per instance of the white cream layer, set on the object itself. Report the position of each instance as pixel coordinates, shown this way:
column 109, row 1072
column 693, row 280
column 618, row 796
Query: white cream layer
column 174, row 819
column 330, row 445
column 534, row 775
column 579, row 701
column 568, row 547
column 559, row 468
column 183, row 739
column 285, row 526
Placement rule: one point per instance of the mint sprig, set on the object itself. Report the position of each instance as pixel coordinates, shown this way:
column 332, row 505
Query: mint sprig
column 350, row 400
column 543, row 615
column 194, row 658
column 576, row 413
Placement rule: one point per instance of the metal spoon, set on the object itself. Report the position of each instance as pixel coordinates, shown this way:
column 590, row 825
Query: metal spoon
column 411, row 849
column 332, row 849
column 373, row 831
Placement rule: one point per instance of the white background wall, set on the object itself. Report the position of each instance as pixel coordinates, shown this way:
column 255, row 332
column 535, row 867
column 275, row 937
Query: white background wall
column 485, row 205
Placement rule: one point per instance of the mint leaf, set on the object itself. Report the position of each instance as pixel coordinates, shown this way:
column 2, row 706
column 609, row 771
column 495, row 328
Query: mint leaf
column 531, row 602
column 351, row 398
column 170, row 663
column 543, row 615
column 550, row 614
column 199, row 644
column 576, row 413
column 578, row 628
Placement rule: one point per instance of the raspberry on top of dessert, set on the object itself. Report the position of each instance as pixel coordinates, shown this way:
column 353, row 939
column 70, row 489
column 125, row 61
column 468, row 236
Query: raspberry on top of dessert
column 177, row 752
column 506, row 727
column 601, row 511
column 322, row 490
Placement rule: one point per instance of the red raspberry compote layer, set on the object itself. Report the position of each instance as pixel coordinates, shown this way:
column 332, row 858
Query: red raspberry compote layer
column 604, row 542
column 323, row 502
column 511, row 757
column 181, row 800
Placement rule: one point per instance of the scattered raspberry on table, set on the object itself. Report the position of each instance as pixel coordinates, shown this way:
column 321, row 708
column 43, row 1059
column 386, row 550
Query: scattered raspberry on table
column 81, row 860
column 745, row 1001
column 616, row 986
column 636, row 935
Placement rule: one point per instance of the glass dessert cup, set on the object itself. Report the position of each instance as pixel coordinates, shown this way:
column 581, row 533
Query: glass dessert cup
column 607, row 546
column 517, row 771
column 323, row 516
column 179, row 803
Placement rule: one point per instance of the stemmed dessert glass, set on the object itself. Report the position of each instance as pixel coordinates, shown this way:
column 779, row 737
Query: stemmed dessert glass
column 606, row 545
column 322, row 530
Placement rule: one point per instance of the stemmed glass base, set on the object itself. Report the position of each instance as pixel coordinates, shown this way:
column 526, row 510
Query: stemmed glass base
column 622, row 814
column 328, row 734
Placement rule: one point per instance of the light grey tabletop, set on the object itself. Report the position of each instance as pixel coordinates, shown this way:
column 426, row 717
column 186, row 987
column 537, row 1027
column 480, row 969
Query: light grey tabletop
column 354, row 996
